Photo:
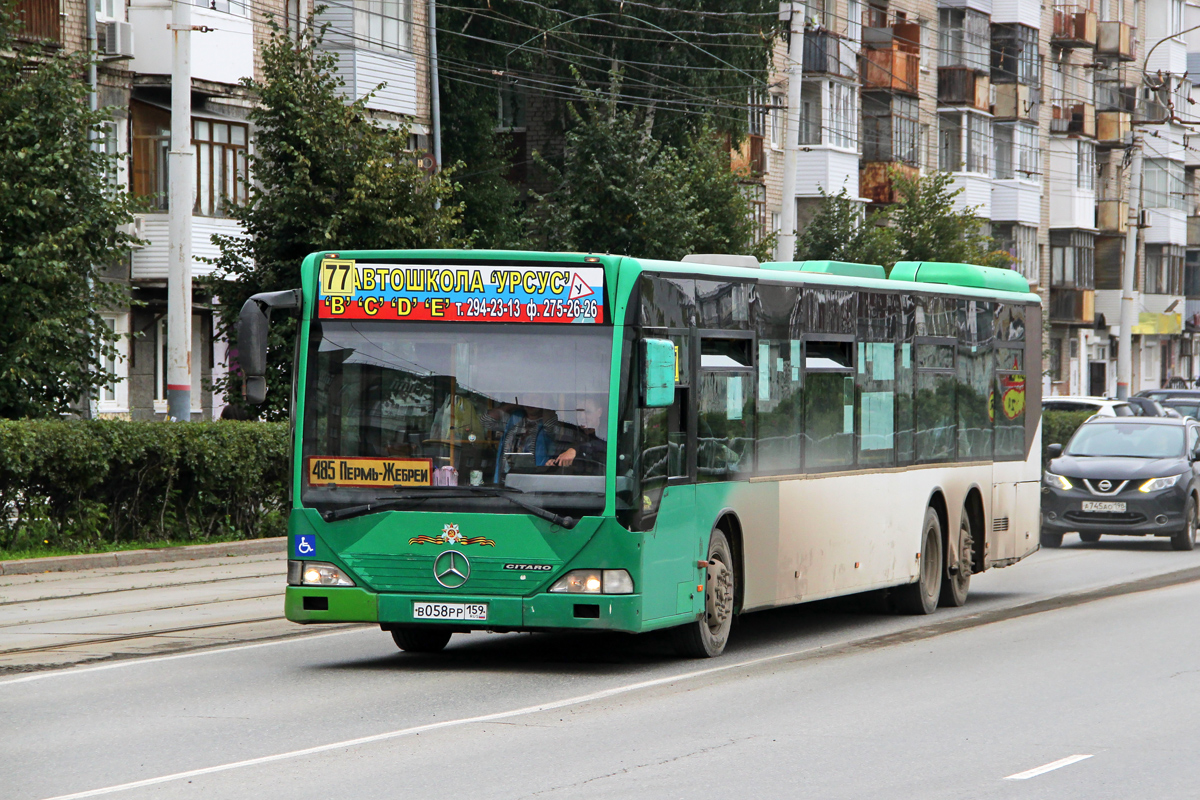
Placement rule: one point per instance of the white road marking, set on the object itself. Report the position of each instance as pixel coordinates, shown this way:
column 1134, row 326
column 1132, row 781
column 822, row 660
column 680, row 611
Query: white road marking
column 133, row 662
column 1042, row 770
column 433, row 726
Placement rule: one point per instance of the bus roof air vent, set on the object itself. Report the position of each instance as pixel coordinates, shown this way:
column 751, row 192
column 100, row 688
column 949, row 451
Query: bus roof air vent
column 950, row 274
column 722, row 260
column 844, row 268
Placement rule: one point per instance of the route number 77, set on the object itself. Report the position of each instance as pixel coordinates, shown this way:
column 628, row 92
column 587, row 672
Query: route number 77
column 338, row 277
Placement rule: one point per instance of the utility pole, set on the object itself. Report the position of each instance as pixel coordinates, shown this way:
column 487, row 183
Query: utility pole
column 89, row 10
column 435, row 99
column 1128, row 311
column 181, row 173
column 785, row 249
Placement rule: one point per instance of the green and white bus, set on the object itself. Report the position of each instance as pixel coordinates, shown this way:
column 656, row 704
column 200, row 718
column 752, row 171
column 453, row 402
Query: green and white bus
column 520, row 441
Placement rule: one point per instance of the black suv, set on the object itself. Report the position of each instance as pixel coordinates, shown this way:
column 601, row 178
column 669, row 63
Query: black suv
column 1127, row 476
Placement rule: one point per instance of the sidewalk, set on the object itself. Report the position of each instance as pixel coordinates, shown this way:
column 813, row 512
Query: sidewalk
column 178, row 602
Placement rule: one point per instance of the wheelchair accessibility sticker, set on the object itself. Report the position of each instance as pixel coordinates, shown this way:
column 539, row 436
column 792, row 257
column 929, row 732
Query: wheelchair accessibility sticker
column 305, row 545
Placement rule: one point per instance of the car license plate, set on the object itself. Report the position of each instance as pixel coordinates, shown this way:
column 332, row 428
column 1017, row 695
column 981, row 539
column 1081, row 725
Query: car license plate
column 1104, row 507
column 476, row 612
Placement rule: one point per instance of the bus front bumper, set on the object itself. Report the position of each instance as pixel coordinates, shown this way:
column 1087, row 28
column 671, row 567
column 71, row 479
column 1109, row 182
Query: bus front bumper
column 308, row 604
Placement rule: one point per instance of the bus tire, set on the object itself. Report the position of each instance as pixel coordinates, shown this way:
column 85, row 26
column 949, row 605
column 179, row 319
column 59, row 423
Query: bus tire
column 421, row 640
column 956, row 582
column 708, row 635
column 922, row 596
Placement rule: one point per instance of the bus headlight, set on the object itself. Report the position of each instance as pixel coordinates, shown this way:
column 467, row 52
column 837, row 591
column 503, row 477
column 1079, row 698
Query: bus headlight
column 1158, row 484
column 318, row 573
column 594, row 581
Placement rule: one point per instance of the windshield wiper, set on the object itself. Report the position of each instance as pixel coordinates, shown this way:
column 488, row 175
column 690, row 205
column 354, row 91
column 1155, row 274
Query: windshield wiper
column 400, row 500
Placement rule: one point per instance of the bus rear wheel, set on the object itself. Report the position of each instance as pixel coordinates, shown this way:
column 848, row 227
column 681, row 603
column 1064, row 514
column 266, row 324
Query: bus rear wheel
column 421, row 640
column 922, row 597
column 707, row 636
column 957, row 580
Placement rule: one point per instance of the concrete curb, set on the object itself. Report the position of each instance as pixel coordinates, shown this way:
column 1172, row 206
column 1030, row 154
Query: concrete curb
column 128, row 558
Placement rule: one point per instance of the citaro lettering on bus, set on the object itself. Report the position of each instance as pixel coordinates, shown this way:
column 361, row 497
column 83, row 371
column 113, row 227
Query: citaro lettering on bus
column 369, row 472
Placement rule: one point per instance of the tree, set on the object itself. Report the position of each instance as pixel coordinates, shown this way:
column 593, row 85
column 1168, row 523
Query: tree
column 923, row 225
column 620, row 190
column 61, row 224
column 325, row 177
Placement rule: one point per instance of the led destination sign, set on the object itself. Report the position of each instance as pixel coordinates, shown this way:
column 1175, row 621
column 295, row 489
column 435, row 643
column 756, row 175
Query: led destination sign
column 450, row 293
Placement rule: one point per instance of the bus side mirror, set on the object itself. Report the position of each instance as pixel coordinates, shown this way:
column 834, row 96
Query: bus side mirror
column 254, row 324
column 658, row 373
column 1054, row 450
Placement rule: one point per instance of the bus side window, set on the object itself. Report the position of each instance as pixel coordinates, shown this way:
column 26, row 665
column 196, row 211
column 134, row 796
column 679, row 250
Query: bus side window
column 1009, row 399
column 904, row 381
column 828, row 405
column 976, row 371
column 725, row 410
column 780, row 364
column 875, row 378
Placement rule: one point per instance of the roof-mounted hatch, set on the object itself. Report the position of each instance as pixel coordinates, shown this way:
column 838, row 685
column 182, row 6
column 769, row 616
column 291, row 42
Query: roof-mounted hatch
column 951, row 274
column 846, row 269
column 722, row 260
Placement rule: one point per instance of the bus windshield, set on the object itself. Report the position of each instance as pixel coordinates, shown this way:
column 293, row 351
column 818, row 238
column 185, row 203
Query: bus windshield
column 454, row 416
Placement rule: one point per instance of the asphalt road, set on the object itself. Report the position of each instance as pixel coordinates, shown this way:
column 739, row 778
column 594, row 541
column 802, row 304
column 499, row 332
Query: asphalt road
column 1083, row 651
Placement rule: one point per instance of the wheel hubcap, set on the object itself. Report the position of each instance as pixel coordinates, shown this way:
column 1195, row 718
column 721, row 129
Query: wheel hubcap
column 718, row 597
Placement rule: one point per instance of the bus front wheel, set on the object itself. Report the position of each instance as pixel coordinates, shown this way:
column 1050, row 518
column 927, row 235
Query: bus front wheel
column 922, row 597
column 421, row 640
column 707, row 636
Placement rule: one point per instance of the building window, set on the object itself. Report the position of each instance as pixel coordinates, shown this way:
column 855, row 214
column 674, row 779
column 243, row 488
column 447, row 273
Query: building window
column 1072, row 260
column 1191, row 274
column 114, row 395
column 1163, row 184
column 843, row 114
column 151, row 143
column 1164, row 269
column 810, row 113
column 384, row 25
column 778, row 120
column 1020, row 242
column 1015, row 54
column 1086, row 165
column 220, row 165
column 1016, row 151
column 965, row 143
column 160, row 364
column 891, row 129
column 964, row 38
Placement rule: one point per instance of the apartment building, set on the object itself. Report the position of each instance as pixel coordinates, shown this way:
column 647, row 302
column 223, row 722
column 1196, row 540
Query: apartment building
column 1030, row 107
column 376, row 41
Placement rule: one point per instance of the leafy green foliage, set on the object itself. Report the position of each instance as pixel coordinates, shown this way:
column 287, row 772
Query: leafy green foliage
column 620, row 190
column 924, row 225
column 79, row 483
column 325, row 177
column 61, row 224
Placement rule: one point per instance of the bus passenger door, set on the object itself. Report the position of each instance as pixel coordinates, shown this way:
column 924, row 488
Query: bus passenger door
column 670, row 554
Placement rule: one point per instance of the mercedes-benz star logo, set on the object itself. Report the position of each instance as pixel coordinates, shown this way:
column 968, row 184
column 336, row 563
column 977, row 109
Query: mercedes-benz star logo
column 451, row 569
column 1105, row 485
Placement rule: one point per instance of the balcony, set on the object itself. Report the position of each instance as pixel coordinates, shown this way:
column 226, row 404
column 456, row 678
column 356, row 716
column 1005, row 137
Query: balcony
column 1016, row 101
column 893, row 70
column 40, row 21
column 827, row 54
column 1112, row 216
column 1072, row 306
column 223, row 55
column 1082, row 120
column 963, row 86
column 876, row 183
column 1193, row 231
column 750, row 157
column 1113, row 126
column 1074, row 26
column 1114, row 40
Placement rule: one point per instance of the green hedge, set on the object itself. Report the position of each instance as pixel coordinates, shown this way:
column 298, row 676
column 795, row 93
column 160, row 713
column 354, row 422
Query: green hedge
column 75, row 483
column 1057, row 427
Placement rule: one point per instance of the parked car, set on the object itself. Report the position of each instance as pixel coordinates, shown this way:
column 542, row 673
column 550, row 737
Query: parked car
column 1103, row 406
column 1185, row 406
column 1146, row 407
column 1163, row 394
column 1124, row 477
